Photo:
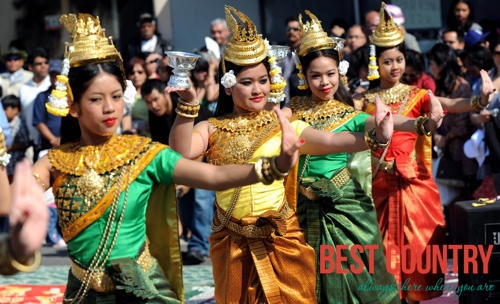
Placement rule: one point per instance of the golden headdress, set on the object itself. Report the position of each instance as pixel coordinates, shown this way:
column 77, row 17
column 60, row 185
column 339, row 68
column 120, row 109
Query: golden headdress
column 246, row 46
column 313, row 36
column 387, row 34
column 89, row 45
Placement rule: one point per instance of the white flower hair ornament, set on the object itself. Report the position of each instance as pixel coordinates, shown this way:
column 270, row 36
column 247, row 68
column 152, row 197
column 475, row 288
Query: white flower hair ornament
column 228, row 80
column 343, row 67
column 130, row 92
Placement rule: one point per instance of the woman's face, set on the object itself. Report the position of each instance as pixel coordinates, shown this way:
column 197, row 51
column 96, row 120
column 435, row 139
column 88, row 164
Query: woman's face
column 392, row 66
column 200, row 76
column 435, row 69
column 138, row 75
column 100, row 109
column 252, row 89
column 462, row 12
column 322, row 76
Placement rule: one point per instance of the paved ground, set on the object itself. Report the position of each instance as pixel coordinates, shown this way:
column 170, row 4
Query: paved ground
column 198, row 280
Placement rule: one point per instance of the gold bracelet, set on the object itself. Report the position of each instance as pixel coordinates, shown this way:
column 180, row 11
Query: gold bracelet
column 180, row 113
column 277, row 174
column 475, row 104
column 372, row 142
column 263, row 170
column 419, row 126
column 37, row 178
column 185, row 109
column 9, row 265
column 4, row 156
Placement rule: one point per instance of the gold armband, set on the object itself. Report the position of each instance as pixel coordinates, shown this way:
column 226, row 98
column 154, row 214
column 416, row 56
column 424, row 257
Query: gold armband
column 419, row 126
column 264, row 171
column 9, row 265
column 372, row 141
column 4, row 156
column 475, row 104
column 187, row 110
column 277, row 174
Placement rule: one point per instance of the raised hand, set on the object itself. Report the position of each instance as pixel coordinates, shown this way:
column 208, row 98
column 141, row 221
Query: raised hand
column 290, row 144
column 436, row 112
column 488, row 89
column 384, row 124
column 29, row 215
column 188, row 95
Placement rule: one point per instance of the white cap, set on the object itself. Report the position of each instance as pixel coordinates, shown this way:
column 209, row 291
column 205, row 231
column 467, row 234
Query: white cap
column 396, row 13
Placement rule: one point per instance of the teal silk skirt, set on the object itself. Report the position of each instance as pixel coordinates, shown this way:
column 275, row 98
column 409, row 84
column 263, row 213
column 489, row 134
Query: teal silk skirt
column 346, row 216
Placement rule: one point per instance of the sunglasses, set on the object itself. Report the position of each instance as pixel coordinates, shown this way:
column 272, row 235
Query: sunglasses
column 295, row 29
column 13, row 58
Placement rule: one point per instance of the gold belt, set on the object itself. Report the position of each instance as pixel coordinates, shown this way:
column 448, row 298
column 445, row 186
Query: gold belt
column 100, row 281
column 339, row 180
column 387, row 166
column 261, row 226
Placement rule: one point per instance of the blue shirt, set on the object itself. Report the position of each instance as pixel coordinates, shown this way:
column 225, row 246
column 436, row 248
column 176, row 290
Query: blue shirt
column 40, row 115
column 4, row 124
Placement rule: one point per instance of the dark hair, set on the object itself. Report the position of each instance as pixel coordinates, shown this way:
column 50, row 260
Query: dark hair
column 132, row 62
column 81, row 77
column 225, row 104
column 460, row 34
column 291, row 18
column 415, row 59
column 79, row 80
column 452, row 20
column 342, row 94
column 150, row 85
column 445, row 56
column 11, row 101
column 378, row 51
column 37, row 52
column 479, row 56
column 359, row 58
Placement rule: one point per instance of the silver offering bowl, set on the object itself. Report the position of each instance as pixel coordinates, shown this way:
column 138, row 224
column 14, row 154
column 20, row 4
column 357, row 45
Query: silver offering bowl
column 182, row 63
column 279, row 51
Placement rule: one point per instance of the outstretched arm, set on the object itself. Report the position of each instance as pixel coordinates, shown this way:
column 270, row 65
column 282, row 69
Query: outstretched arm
column 206, row 176
column 460, row 105
column 321, row 142
column 28, row 219
column 189, row 140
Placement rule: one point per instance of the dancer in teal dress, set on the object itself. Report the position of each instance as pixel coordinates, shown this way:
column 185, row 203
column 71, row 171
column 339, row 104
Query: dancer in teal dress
column 333, row 207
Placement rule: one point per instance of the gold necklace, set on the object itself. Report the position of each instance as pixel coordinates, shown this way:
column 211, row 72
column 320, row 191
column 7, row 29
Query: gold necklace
column 237, row 135
column 389, row 96
column 91, row 184
column 321, row 115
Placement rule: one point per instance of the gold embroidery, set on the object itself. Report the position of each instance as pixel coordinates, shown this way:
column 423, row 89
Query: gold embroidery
column 389, row 96
column 236, row 135
column 325, row 115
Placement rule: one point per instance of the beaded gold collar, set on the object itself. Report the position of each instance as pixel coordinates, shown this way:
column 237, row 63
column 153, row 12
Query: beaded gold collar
column 238, row 136
column 75, row 159
column 305, row 108
column 244, row 123
column 389, row 96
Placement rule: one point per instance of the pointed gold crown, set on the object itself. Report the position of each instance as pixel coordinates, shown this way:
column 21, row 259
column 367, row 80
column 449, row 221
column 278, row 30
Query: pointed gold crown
column 246, row 46
column 313, row 36
column 387, row 34
column 89, row 43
